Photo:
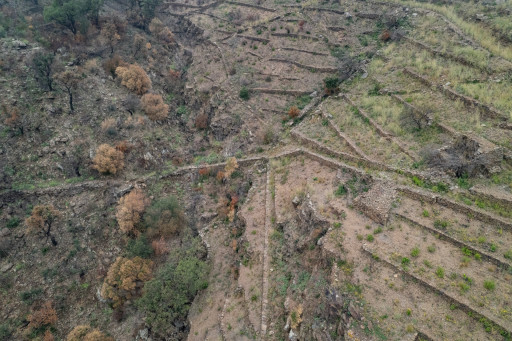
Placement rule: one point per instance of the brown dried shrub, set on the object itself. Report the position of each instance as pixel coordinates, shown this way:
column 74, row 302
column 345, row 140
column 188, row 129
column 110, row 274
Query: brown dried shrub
column 205, row 171
column 385, row 36
column 154, row 106
column 125, row 279
column 108, row 160
column 134, row 78
column 124, row 146
column 44, row 316
column 220, row 175
column 48, row 336
column 160, row 247
column 109, row 125
column 130, row 210
column 293, row 112
column 201, row 121
column 111, row 64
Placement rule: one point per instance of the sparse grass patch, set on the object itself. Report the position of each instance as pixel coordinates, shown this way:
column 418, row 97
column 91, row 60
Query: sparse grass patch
column 489, row 284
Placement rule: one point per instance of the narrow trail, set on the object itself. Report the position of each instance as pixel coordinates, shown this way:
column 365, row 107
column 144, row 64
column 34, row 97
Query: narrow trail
column 269, row 205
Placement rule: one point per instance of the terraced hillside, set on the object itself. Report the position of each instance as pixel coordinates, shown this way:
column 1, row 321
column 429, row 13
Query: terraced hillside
column 325, row 171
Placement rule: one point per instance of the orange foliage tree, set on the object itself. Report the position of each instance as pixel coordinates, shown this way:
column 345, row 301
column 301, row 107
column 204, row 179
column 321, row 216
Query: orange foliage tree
column 125, row 279
column 44, row 316
column 154, row 106
column 86, row 333
column 130, row 210
column 134, row 78
column 42, row 220
column 108, row 160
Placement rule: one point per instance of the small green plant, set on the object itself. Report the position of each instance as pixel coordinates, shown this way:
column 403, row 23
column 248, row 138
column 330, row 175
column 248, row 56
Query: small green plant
column 431, row 248
column 405, row 261
column 467, row 279
column 489, row 284
column 377, row 230
column 508, row 254
column 254, row 298
column 360, row 237
column 427, row 263
column 244, row 94
column 464, row 287
column 467, row 251
column 408, row 312
column 440, row 272
column 370, row 238
column 13, row 222
column 415, row 252
column 425, row 214
column 493, row 247
column 340, row 191
column 478, row 256
column 441, row 224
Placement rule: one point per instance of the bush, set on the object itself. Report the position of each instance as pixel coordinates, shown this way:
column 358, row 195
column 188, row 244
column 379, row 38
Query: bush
column 125, row 279
column 340, row 191
column 28, row 297
column 244, row 94
column 86, row 333
column 130, row 210
column 440, row 272
column 134, row 78
column 42, row 220
column 139, row 247
column 111, row 64
column 42, row 67
column 489, row 284
column 154, row 106
column 176, row 284
column 293, row 112
column 201, row 121
column 108, row 160
column 164, row 218
column 44, row 316
column 331, row 84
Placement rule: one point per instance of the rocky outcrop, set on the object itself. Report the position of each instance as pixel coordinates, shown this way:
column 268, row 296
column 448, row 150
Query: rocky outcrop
column 376, row 203
column 468, row 155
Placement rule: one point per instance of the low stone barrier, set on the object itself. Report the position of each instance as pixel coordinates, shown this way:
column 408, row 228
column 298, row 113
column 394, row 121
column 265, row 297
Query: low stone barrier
column 477, row 314
column 455, row 242
column 457, row 207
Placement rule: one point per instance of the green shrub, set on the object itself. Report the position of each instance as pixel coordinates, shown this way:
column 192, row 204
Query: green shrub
column 13, row 222
column 168, row 296
column 415, row 252
column 370, row 238
column 244, row 94
column 28, row 297
column 139, row 247
column 331, row 83
column 164, row 217
column 341, row 190
column 440, row 272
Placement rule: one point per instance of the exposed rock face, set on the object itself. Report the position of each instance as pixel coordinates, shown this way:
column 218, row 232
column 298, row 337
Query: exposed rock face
column 310, row 226
column 468, row 155
column 376, row 203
